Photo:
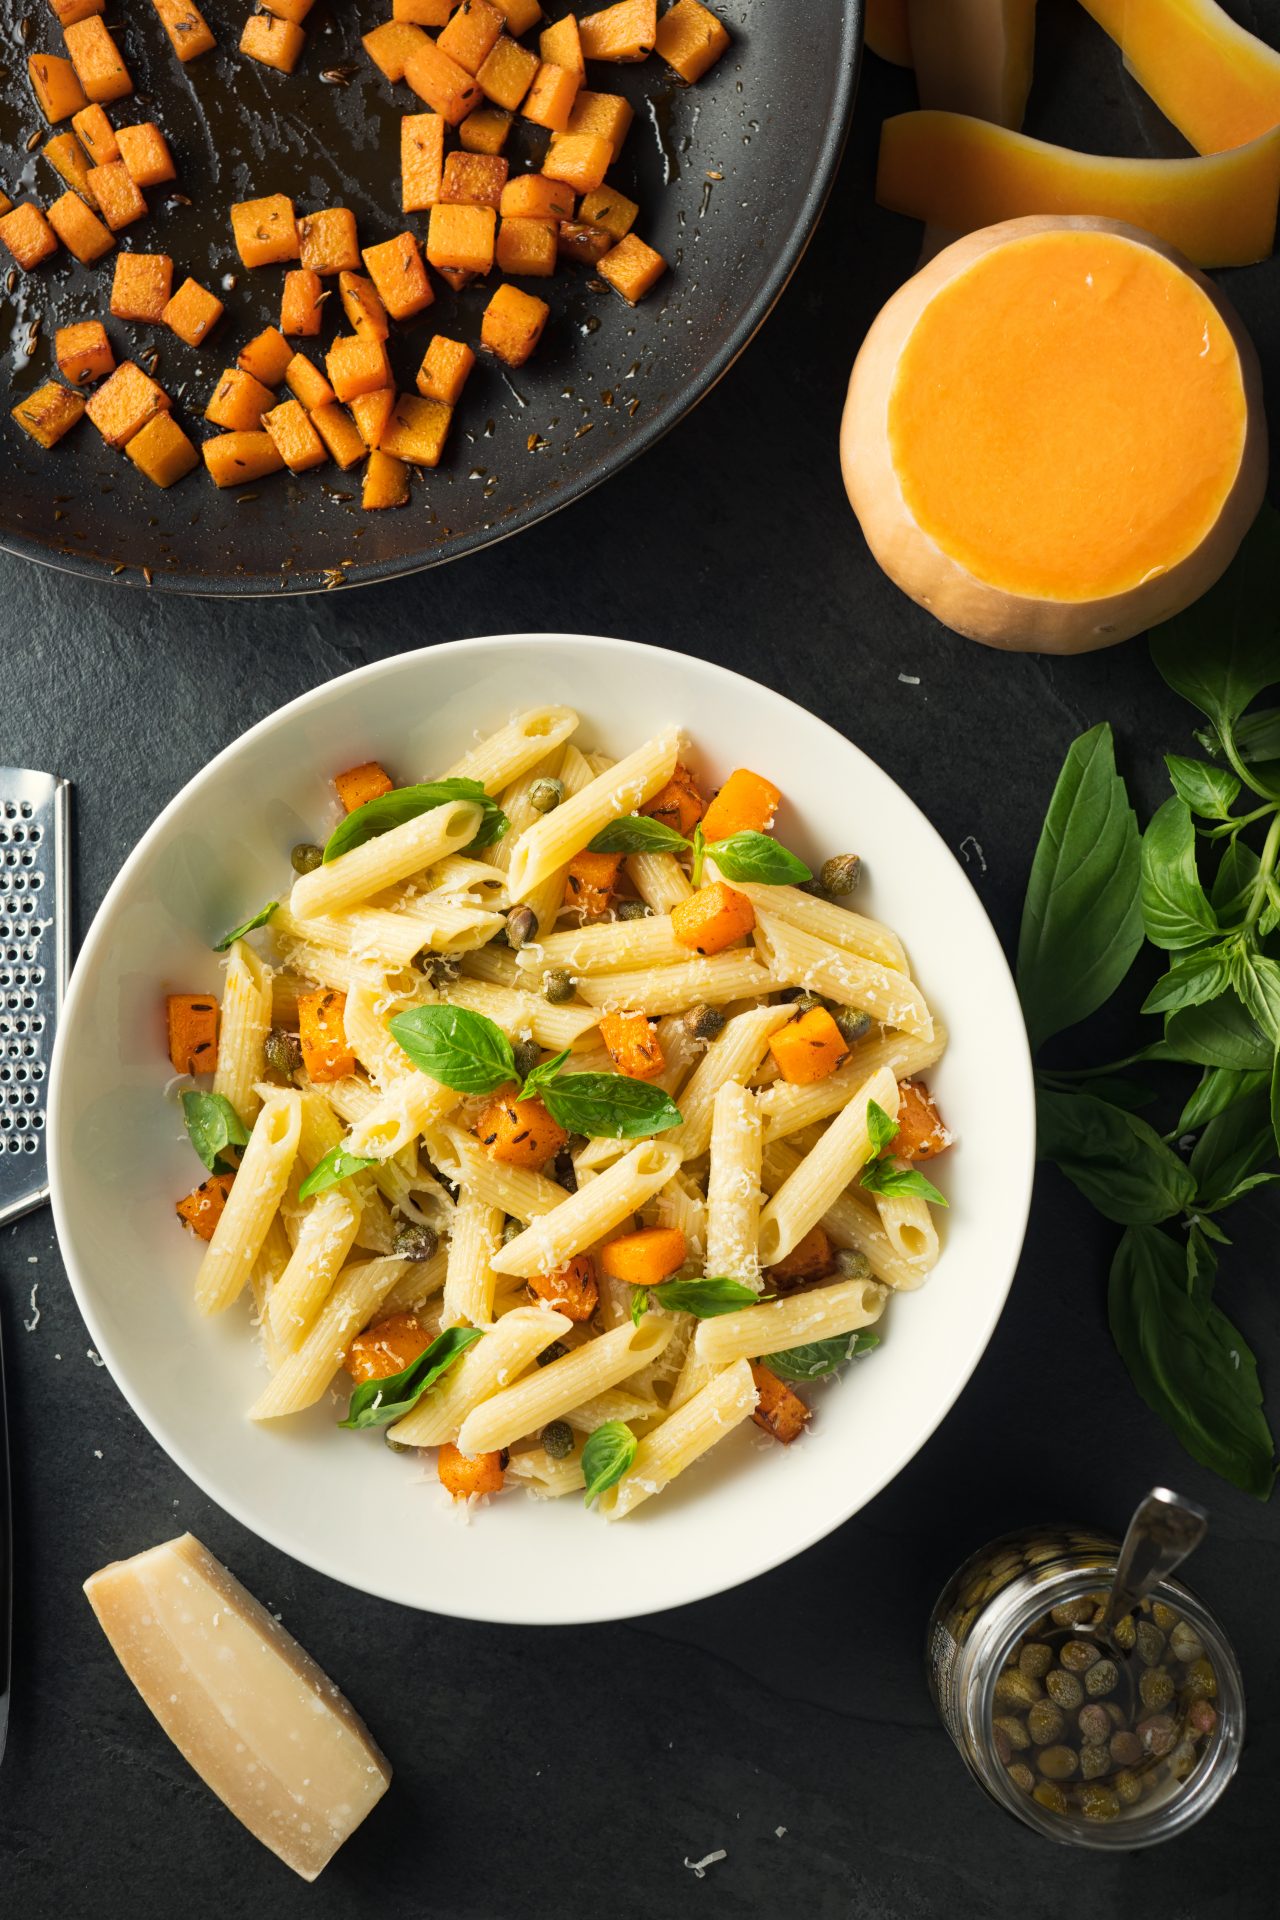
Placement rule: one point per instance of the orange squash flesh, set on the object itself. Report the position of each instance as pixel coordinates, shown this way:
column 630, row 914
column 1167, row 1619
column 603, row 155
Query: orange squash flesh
column 1218, row 84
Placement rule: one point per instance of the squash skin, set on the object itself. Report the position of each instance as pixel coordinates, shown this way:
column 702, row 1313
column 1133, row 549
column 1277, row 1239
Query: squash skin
column 993, row 615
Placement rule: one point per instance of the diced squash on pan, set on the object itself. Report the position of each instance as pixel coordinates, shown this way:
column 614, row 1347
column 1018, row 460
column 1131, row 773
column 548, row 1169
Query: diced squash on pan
column 273, row 42
column 49, row 412
column 79, row 228
column 746, row 803
column 585, row 245
column 163, row 452
column 589, row 883
column 396, row 270
column 266, row 230
column 473, row 179
column 549, row 101
column 308, row 384
column 362, row 305
column 644, row 1259
column 581, row 160
column 201, row 1210
column 328, row 241
column 561, row 46
column 605, row 114
column 572, row 1289
column 461, row 238
column 423, row 13
column 326, row 1053
column 421, row 160
column 266, row 356
column 532, row 196
column 485, row 130
column 238, row 402
column 445, row 366
column 68, row 158
column 387, row 1348
column 416, row 430
column 390, row 46
column 447, row 88
column 809, row 1048
column 28, row 235
column 386, row 482
column 188, row 30
column 632, row 1045
column 811, row 1258
column 340, row 435
column 527, row 247
column 297, row 442
column 679, row 805
column 124, row 403
column 83, row 352
column 690, row 39
column 519, row 15
column 237, row 459
column 301, row 303
column 118, row 197
column 519, row 1133
column 295, row 10
column 56, row 86
column 625, row 32
column 632, row 268
column 67, row 12
column 97, row 60
column 463, row 1475
column 357, row 363
column 96, row 134
column 922, row 1132
column 371, row 412
column 778, row 1409
column 470, row 36
column 508, row 73
column 141, row 287
column 712, row 918
column 512, row 324
column 358, row 785
column 146, row 155
column 193, row 313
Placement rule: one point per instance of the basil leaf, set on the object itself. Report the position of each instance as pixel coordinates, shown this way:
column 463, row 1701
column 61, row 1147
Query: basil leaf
column 609, row 1105
column 820, row 1356
column 1225, row 649
column 1202, row 1267
column 883, row 1177
column 406, row 803
column 1081, row 921
column 881, row 1130
column 1237, row 871
column 639, row 1305
column 1257, row 736
column 1219, row 1089
column 213, row 1125
column 537, row 1080
column 1120, row 1093
column 1191, row 982
column 1175, row 908
column 259, row 919
column 758, row 857
column 705, row 1298
column 336, row 1165
column 1221, row 1034
column 376, row 1403
column 636, row 833
column 1208, row 791
column 1188, row 1362
column 1120, row 1164
column 1232, row 1149
column 1256, row 979
column 605, row 1458
column 460, row 1049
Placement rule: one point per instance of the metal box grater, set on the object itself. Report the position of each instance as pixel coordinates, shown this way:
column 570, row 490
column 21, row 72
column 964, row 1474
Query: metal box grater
column 35, row 940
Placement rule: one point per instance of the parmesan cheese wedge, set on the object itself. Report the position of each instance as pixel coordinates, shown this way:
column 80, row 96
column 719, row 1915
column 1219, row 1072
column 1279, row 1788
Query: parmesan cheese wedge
column 240, row 1699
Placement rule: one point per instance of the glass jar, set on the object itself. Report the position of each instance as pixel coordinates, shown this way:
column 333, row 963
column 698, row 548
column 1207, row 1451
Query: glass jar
column 984, row 1610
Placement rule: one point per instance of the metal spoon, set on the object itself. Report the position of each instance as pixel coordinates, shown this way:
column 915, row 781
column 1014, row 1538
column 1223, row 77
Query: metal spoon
column 1164, row 1530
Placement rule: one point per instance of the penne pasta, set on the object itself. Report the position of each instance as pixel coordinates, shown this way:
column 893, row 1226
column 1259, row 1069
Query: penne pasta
column 520, row 1013
column 820, row 1314
column 324, row 1240
column 825, row 1171
column 555, row 1390
column 659, row 879
column 546, row 898
column 518, row 1191
column 735, row 1055
column 835, row 926
column 306, row 1375
column 683, row 1437
column 548, row 1479
column 623, row 789
column 610, row 947
column 500, row 1356
column 733, row 1186
column 723, row 976
column 256, row 1193
column 786, row 1109
column 799, row 959
column 353, row 877
column 590, row 1213
column 470, row 1280
column 503, row 756
column 243, row 1029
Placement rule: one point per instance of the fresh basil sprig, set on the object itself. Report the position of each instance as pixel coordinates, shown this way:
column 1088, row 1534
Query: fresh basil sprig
column 375, row 1403
column 605, row 1458
column 470, row 1053
column 406, row 803
column 883, row 1176
column 259, row 919
column 637, row 833
column 745, row 857
column 819, row 1357
column 213, row 1126
column 336, row 1165
column 704, row 1298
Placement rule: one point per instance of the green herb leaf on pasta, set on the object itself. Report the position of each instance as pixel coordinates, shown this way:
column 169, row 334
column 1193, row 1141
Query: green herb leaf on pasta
column 609, row 1106
column 336, row 1165
column 705, row 1298
column 636, row 833
column 213, row 1125
column 259, row 919
column 882, row 1176
column 881, row 1130
column 376, row 1403
column 537, row 1080
column 406, row 803
column 756, row 857
column 605, row 1458
column 820, row 1357
column 460, row 1049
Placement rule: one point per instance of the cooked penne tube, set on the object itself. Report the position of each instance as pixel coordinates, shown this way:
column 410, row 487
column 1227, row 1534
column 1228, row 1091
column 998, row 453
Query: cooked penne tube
column 733, row 1187
column 370, row 935
column 548, row 1479
column 400, row 1116
column 587, row 1215
column 306, row 1375
column 843, row 1150
column 256, row 1193
column 836, row 926
column 273, row 1258
column 446, row 926
column 503, row 756
column 517, row 804
column 423, row 1281
column 364, row 1020
column 820, row 1314
column 609, row 947
column 325, row 1236
column 462, row 878
column 547, row 897
column 519, row 1191
column 496, row 965
column 682, row 1438
column 521, row 1013
column 659, row 879
column 555, row 838
column 616, row 1403
column 695, row 1373
column 735, row 975
column 785, row 1108
column 909, row 1226
column 850, row 1221
column 388, row 857
column 735, row 1055
column 681, row 1204
column 469, row 1277
column 499, row 1356
column 555, row 1390
column 799, row 959
column 327, row 967
column 243, row 1029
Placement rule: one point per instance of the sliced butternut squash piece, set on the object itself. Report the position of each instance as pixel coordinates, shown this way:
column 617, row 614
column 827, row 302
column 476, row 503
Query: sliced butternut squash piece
column 1054, row 434
column 974, row 56
column 1218, row 84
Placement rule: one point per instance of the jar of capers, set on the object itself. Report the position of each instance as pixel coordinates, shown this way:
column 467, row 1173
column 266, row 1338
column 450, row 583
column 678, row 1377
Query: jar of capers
column 1095, row 1744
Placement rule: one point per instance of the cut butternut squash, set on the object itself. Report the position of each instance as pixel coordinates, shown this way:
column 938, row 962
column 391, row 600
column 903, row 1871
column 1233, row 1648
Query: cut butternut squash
column 124, row 403
column 49, row 412
column 193, row 313
column 1054, row 434
column 162, row 451
column 386, row 482
column 186, row 26
column 237, row 459
column 27, row 235
column 690, row 39
column 974, row 56
column 1218, row 84
column 141, row 287
column 79, row 229
column 83, row 352
column 421, row 160
column 56, row 85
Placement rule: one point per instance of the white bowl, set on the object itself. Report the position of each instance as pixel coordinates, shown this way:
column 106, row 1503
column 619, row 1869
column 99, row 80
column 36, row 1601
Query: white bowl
column 342, row 1502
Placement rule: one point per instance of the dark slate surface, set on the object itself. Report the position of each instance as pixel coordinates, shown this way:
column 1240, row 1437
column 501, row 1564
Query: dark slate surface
column 565, row 1776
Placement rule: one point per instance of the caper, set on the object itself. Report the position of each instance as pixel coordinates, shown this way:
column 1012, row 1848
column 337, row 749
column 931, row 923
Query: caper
column 1035, row 1660
column 1057, row 1763
column 1094, row 1760
column 1044, row 1723
column 557, row 1439
column 1050, row 1797
column 414, row 1241
column 565, row 1172
column 1157, row 1734
column 546, row 794
column 1102, row 1678
column 1128, row 1787
column 1013, row 1730
column 805, row 1002
column 283, row 1052
column 1165, row 1617
column 511, row 1230
column 1184, row 1642
column 1155, row 1688
column 1099, row 1803
column 527, row 1055
column 1015, row 1690
column 841, row 873
column 1150, row 1643
column 305, row 857
column 1183, row 1759
column 1124, row 1633
column 1071, row 1613
column 1200, row 1681
column 522, row 925
column 1002, row 1744
column 1064, row 1690
column 1021, row 1776
column 556, row 1351
column 441, row 969
column 851, row 1265
column 704, row 1023
column 852, row 1023
column 1093, row 1723
column 633, row 910
column 1125, row 1748
column 1201, row 1717
column 557, row 985
column 1077, row 1655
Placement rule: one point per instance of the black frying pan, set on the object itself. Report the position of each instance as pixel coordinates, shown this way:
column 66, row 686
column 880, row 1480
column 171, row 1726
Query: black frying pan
column 605, row 382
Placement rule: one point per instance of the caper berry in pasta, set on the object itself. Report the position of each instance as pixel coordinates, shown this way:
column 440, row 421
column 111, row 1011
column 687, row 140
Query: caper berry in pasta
column 556, row 1351
column 704, row 1023
column 557, row 985
column 557, row 1439
column 522, row 925
column 305, row 857
column 414, row 1241
column 852, row 1024
column 634, row 910
column 852, row 1265
column 527, row 1055
column 840, row 874
column 546, row 794
column 283, row 1052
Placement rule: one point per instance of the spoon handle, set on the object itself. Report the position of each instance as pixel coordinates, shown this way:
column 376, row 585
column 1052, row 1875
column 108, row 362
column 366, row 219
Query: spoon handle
column 1165, row 1528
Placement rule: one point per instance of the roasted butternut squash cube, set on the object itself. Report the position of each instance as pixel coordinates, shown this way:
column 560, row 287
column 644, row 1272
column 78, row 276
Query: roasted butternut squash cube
column 585, row 245
column 712, row 918
column 28, row 235
column 632, row 268
column 462, row 1475
column 485, row 130
column 237, row 459
column 56, row 86
column 446, row 87
column 512, row 325
column 302, row 303
column 549, row 101
column 371, row 412
column 416, row 430
column 83, row 352
column 607, row 208
column 387, row 1348
column 461, row 238
column 690, row 39
column 572, row 1289
column 746, row 803
column 295, row 10
column 297, row 442
column 532, row 196
column 386, row 482
column 362, row 305
column 266, row 230
column 141, row 287
column 68, row 158
column 49, row 412
column 340, row 434
column 527, row 247
column 590, row 882
column 625, row 32
column 606, row 114
column 146, row 155
column 326, row 1053
column 679, row 805
column 644, row 1259
column 633, row 1046
column 328, row 242
column 581, row 160
column 193, row 313
column 809, row 1048
column 67, row 12
column 357, row 363
column 358, row 785
column 423, row 13
column 79, row 228
column 445, row 366
column 390, row 46
column 519, row 1133
column 421, row 160
column 124, row 403
column 811, row 1258
column 922, row 1132
column 188, row 30
column 266, row 356
column 96, row 134
column 561, row 46
column 473, row 180
column 778, row 1410
column 470, row 35
column 163, row 452
column 238, row 402
column 119, row 198
column 201, row 1210
column 97, row 60
column 519, row 15
column 396, row 269
column 273, row 42
column 508, row 73
column 308, row 384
